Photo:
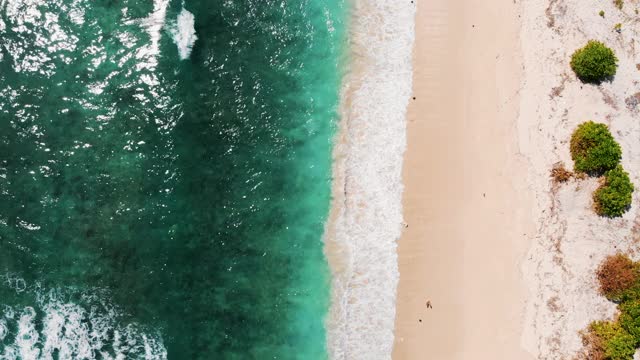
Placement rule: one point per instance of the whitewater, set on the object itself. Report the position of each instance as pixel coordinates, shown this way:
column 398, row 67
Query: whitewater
column 366, row 219
column 52, row 326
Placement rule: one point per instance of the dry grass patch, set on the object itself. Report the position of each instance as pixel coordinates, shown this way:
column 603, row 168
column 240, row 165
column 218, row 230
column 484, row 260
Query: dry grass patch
column 560, row 174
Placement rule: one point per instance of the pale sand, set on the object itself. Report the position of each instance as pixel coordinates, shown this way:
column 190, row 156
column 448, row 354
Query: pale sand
column 465, row 251
column 466, row 202
column 571, row 240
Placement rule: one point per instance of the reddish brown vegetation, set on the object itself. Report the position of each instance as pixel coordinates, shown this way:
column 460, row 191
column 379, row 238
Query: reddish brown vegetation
column 616, row 274
column 593, row 347
column 560, row 174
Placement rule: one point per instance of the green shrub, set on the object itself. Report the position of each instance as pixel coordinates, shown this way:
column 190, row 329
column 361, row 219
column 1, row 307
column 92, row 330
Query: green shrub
column 630, row 318
column 617, row 344
column 594, row 63
column 616, row 340
column 601, row 13
column 618, row 3
column 593, row 149
column 613, row 198
column 631, row 294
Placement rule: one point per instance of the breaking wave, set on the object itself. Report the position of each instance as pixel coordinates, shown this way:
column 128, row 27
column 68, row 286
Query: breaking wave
column 367, row 208
column 62, row 324
column 183, row 33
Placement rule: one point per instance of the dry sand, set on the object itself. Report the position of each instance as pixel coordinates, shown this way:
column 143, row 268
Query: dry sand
column 465, row 203
column 506, row 257
column 570, row 239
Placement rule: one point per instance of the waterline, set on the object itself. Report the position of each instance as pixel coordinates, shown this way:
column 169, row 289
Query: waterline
column 366, row 216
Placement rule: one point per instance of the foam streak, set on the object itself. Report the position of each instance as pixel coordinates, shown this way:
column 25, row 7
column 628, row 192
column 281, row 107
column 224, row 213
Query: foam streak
column 184, row 33
column 367, row 209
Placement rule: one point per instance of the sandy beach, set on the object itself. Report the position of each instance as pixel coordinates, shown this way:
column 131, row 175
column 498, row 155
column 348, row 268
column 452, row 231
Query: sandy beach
column 466, row 205
column 506, row 257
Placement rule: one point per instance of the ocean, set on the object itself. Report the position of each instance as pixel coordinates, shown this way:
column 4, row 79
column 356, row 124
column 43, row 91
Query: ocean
column 165, row 177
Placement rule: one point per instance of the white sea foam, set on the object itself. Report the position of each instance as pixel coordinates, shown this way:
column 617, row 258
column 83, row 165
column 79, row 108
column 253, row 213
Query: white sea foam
column 367, row 209
column 153, row 24
column 52, row 325
column 183, row 33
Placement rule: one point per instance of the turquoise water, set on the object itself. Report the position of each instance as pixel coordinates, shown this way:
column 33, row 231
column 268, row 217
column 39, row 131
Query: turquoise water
column 159, row 207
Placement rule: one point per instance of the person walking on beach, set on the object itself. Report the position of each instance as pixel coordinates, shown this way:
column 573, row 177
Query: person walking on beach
column 429, row 304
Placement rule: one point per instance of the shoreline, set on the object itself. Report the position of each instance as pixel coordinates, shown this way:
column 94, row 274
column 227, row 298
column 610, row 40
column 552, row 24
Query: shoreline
column 466, row 201
column 365, row 218
column 506, row 258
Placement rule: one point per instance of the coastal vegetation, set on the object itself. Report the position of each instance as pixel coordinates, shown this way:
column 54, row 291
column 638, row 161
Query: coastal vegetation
column 560, row 174
column 619, row 279
column 613, row 197
column 595, row 152
column 593, row 149
column 616, row 275
column 594, row 62
column 607, row 340
column 630, row 318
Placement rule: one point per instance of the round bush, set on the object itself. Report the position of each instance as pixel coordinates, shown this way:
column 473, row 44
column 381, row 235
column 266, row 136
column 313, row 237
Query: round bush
column 613, row 198
column 594, row 63
column 616, row 275
column 593, row 149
